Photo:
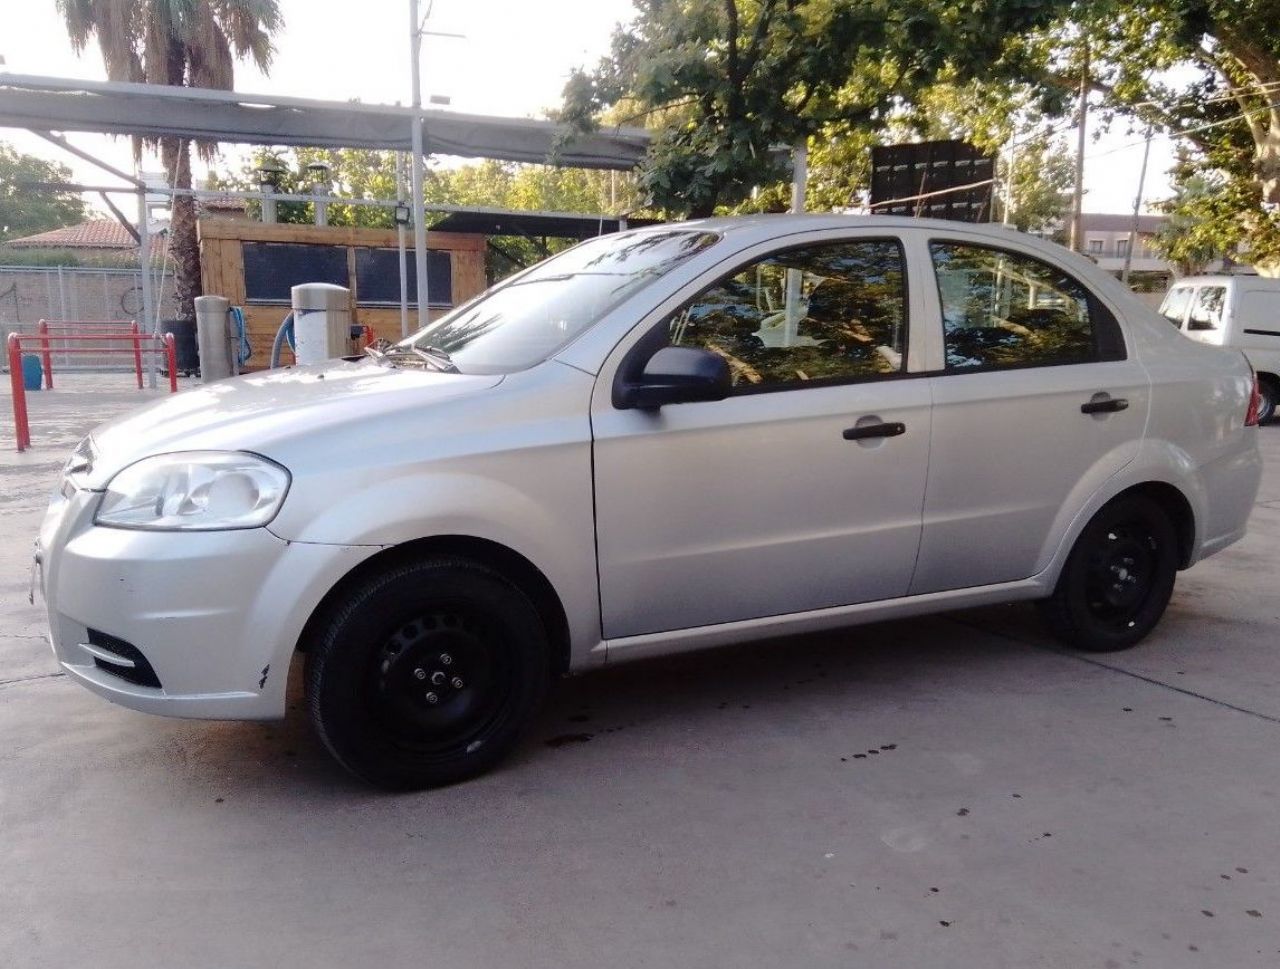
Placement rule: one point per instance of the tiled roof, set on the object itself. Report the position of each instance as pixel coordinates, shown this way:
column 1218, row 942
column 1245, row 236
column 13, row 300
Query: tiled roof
column 223, row 203
column 100, row 234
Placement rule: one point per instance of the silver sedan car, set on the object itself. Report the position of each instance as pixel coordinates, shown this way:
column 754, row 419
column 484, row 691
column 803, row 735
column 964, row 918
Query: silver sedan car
column 678, row 437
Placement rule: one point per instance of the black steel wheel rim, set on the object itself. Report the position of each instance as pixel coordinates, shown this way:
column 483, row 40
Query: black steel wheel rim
column 1121, row 574
column 439, row 681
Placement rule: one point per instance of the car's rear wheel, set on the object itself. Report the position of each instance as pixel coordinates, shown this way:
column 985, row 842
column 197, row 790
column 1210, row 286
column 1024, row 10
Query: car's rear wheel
column 1268, row 392
column 425, row 673
column 1118, row 578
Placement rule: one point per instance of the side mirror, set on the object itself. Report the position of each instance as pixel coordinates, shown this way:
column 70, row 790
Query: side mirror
column 677, row 375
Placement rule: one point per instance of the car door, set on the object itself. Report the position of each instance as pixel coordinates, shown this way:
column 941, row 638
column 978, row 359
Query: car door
column 802, row 489
column 1037, row 404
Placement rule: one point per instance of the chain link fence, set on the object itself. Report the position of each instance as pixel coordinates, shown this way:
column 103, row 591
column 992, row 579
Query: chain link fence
column 29, row 294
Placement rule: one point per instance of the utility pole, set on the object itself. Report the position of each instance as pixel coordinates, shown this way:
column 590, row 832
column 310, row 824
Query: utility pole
column 1137, row 206
column 1082, row 120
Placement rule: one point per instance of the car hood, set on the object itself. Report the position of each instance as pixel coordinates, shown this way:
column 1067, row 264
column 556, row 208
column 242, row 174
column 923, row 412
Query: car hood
column 257, row 411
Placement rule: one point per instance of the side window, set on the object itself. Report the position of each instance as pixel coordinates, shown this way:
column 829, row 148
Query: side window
column 1174, row 308
column 1003, row 309
column 821, row 313
column 1206, row 311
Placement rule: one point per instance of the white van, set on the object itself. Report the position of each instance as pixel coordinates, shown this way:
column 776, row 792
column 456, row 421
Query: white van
column 1233, row 311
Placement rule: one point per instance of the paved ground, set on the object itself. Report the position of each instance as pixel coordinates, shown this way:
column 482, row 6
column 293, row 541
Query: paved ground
column 949, row 792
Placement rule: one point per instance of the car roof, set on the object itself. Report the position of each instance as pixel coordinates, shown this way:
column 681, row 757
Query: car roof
column 1222, row 279
column 744, row 230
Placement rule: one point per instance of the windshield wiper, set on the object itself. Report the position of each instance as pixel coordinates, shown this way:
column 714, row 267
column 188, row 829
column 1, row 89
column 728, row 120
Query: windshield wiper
column 437, row 357
column 433, row 357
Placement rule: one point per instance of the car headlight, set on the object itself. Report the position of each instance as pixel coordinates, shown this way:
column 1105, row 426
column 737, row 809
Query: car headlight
column 194, row 491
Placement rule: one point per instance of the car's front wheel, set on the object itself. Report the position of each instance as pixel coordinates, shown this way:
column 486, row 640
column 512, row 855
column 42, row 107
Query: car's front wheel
column 1118, row 578
column 425, row 672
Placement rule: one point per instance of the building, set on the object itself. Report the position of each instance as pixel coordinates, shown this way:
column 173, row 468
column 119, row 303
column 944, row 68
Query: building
column 1106, row 241
column 97, row 241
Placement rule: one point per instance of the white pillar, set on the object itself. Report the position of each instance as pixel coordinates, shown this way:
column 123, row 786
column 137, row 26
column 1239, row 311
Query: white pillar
column 150, row 322
column 419, row 208
column 799, row 175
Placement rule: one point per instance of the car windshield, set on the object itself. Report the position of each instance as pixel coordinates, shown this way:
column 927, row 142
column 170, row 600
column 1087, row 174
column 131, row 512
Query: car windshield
column 523, row 322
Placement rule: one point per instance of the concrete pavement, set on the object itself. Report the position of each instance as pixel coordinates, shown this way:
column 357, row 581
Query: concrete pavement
column 944, row 792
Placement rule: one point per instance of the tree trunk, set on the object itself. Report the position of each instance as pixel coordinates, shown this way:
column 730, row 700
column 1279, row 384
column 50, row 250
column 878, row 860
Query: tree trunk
column 1267, row 156
column 184, row 247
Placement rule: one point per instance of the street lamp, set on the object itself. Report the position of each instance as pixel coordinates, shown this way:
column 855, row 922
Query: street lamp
column 319, row 172
column 269, row 173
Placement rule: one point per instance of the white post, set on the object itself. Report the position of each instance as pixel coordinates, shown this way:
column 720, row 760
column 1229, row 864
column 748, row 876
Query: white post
column 404, row 269
column 799, row 175
column 150, row 320
column 1007, row 218
column 419, row 202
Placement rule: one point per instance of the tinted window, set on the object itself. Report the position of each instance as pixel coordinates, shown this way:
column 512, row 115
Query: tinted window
column 272, row 269
column 821, row 313
column 531, row 316
column 1206, row 311
column 1002, row 309
column 1174, row 308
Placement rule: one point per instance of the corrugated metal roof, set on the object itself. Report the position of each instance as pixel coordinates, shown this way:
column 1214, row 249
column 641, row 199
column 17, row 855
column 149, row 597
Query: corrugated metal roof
column 153, row 110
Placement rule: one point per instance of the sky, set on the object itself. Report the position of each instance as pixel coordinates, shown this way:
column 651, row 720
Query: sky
column 513, row 61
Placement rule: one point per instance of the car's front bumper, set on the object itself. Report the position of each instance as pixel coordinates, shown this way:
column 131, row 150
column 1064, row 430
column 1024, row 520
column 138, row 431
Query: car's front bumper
column 215, row 615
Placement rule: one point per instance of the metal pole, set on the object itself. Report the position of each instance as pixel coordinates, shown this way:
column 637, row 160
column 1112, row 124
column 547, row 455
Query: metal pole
column 1137, row 206
column 1007, row 218
column 404, row 267
column 799, row 175
column 149, row 319
column 1082, row 119
column 419, row 200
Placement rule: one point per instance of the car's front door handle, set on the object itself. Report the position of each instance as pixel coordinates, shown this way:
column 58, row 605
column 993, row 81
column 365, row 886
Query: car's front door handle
column 1104, row 405
column 892, row 429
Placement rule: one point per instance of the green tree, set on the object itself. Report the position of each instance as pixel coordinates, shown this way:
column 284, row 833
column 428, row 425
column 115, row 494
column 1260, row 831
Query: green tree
column 1206, row 72
column 191, row 43
column 1043, row 175
column 728, row 80
column 1199, row 211
column 26, row 211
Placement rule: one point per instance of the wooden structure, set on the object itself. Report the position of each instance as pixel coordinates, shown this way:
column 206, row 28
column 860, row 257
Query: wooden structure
column 253, row 265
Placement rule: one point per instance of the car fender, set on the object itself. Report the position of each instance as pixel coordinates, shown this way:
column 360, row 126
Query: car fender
column 1152, row 461
column 547, row 521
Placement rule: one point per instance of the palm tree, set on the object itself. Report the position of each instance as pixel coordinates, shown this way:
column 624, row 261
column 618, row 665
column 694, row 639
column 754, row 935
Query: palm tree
column 192, row 43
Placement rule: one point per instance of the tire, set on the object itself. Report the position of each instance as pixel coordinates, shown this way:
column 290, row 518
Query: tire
column 1267, row 405
column 426, row 673
column 1118, row 578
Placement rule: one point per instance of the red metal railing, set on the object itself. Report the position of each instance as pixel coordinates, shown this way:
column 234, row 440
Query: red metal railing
column 22, row 426
column 88, row 328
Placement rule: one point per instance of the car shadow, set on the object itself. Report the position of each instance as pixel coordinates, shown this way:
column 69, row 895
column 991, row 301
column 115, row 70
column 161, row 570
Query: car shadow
column 834, row 673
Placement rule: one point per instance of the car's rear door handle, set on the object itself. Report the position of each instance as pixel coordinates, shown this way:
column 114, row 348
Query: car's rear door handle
column 892, row 429
column 1104, row 405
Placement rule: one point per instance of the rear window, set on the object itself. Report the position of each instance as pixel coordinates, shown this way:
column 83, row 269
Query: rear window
column 1174, row 307
column 1206, row 311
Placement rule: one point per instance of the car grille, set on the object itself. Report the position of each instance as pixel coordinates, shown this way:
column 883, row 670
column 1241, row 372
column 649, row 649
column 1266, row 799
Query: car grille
column 133, row 668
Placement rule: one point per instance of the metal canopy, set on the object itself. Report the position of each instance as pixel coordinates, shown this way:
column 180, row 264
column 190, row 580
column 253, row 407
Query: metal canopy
column 558, row 225
column 65, row 104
